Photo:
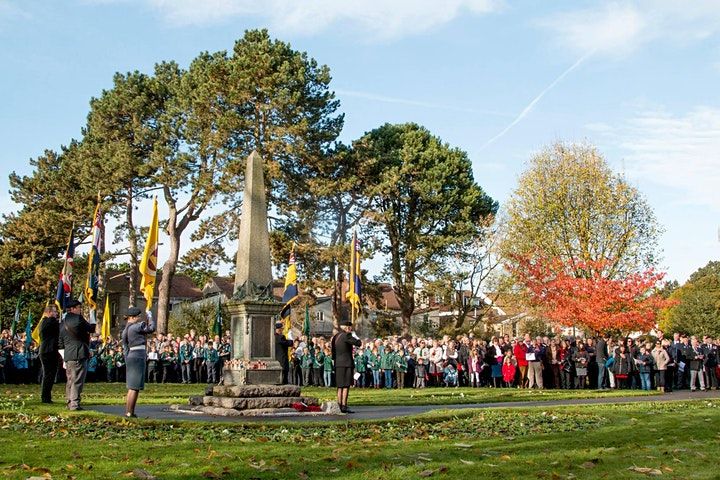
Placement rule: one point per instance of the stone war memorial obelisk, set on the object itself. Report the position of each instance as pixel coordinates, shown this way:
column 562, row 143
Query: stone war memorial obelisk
column 253, row 307
column 252, row 378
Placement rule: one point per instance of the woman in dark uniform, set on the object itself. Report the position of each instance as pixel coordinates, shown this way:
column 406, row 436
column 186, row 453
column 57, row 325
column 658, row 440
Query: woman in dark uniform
column 134, row 346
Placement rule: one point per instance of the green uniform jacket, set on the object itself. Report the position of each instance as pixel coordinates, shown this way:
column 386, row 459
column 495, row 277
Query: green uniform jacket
column 327, row 363
column 167, row 358
column 387, row 360
column 373, row 361
column 319, row 360
column 185, row 353
column 307, row 360
column 360, row 363
column 211, row 355
column 119, row 360
column 400, row 363
column 109, row 361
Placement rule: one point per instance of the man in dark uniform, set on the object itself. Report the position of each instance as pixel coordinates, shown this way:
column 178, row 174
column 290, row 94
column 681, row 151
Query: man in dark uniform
column 281, row 351
column 75, row 335
column 343, row 364
column 49, row 333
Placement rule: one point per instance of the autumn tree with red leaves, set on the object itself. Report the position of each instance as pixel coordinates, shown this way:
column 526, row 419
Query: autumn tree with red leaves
column 591, row 301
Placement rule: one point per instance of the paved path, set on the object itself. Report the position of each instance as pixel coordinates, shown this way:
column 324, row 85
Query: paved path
column 161, row 412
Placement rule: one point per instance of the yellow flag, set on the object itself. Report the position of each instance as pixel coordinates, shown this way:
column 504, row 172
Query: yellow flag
column 148, row 264
column 36, row 331
column 105, row 332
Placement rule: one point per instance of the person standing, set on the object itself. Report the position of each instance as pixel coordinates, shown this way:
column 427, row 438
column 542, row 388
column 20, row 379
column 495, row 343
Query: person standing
column 281, row 351
column 601, row 355
column 342, row 354
column 75, row 338
column 661, row 358
column 49, row 336
column 711, row 363
column 134, row 345
column 696, row 358
column 211, row 360
column 185, row 358
column 534, row 355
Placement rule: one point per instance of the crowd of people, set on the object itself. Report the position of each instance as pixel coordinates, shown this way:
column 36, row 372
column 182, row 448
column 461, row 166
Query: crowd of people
column 680, row 362
column 170, row 359
column 660, row 363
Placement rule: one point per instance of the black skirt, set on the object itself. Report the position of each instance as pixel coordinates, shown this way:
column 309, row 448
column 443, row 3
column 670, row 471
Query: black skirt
column 344, row 377
column 135, row 372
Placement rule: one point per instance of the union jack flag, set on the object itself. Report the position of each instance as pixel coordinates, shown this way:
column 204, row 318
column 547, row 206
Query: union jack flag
column 64, row 289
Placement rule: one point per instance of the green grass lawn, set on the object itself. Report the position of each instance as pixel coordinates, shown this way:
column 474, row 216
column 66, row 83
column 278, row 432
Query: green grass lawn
column 676, row 439
column 673, row 440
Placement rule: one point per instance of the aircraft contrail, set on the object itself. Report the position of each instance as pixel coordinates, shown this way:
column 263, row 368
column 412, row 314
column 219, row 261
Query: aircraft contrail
column 535, row 100
column 415, row 103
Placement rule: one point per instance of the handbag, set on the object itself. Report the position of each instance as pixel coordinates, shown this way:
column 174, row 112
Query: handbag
column 581, row 371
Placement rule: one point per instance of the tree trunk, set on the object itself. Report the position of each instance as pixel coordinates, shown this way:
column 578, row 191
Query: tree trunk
column 168, row 272
column 133, row 248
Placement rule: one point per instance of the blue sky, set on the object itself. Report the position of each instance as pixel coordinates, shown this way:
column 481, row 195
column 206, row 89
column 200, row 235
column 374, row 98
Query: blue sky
column 639, row 79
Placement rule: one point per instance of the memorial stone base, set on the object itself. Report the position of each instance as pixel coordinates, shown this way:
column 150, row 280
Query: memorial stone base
column 251, row 400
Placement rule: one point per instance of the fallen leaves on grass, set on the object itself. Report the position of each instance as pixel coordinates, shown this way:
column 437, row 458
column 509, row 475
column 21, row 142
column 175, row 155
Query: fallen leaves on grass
column 590, row 463
column 465, row 426
column 646, row 470
column 142, row 474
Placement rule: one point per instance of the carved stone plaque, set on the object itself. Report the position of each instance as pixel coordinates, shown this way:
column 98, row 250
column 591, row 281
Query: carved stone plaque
column 261, row 328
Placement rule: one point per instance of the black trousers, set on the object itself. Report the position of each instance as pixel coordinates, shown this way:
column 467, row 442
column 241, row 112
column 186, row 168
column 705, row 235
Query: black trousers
column 49, row 372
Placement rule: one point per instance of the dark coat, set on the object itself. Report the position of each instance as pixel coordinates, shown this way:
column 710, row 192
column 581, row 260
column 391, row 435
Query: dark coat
column 711, row 355
column 342, row 344
column 695, row 357
column 601, row 352
column 49, row 335
column 75, row 333
column 281, row 350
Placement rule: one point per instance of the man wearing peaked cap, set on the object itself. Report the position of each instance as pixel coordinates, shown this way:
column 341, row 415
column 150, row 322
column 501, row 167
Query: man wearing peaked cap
column 75, row 338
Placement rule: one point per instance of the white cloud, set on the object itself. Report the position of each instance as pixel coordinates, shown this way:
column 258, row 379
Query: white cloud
column 620, row 28
column 11, row 12
column 381, row 18
column 680, row 152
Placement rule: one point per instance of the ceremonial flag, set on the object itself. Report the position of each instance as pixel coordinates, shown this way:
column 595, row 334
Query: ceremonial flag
column 148, row 264
column 355, row 287
column 64, row 289
column 16, row 318
column 36, row 331
column 217, row 327
column 91, row 282
column 291, row 290
column 28, row 330
column 105, row 330
column 306, row 323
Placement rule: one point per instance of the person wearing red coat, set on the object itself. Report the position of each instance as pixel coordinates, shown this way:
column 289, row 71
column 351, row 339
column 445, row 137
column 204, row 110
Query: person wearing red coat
column 519, row 351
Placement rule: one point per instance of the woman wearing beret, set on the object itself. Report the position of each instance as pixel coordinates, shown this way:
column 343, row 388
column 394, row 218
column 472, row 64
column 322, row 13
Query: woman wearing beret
column 134, row 345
